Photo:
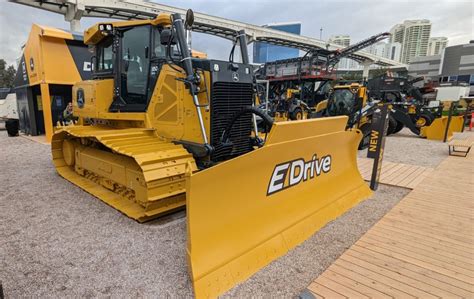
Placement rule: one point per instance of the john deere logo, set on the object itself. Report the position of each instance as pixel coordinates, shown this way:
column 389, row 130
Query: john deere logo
column 32, row 64
column 291, row 173
column 235, row 77
column 80, row 98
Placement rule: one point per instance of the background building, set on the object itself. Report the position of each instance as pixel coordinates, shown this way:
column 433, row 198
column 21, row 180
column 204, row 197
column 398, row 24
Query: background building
column 395, row 51
column 391, row 50
column 426, row 66
column 397, row 32
column 455, row 64
column 414, row 36
column 343, row 40
column 263, row 52
column 436, row 45
column 458, row 64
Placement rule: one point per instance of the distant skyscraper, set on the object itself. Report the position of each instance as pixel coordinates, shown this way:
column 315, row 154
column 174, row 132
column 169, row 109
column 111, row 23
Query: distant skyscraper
column 387, row 50
column 414, row 36
column 436, row 45
column 395, row 51
column 344, row 41
column 379, row 49
column 397, row 33
column 263, row 52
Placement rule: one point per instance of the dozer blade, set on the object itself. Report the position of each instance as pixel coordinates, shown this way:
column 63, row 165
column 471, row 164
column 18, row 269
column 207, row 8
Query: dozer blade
column 130, row 169
column 244, row 213
column 437, row 129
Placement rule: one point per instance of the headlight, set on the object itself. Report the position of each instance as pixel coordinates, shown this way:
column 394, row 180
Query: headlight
column 216, row 67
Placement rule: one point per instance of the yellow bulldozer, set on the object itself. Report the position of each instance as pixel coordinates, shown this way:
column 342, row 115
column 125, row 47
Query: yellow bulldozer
column 159, row 130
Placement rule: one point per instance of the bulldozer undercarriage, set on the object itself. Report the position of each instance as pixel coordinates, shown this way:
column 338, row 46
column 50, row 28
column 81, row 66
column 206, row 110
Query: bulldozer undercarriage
column 129, row 169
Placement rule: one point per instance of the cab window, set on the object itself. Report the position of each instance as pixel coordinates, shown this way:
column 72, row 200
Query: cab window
column 104, row 56
column 135, row 64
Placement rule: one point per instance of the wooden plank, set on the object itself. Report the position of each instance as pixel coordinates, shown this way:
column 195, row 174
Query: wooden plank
column 423, row 238
column 375, row 284
column 436, row 280
column 419, row 179
column 418, row 199
column 340, row 288
column 416, row 287
column 434, row 219
column 437, row 248
column 437, row 205
column 402, row 176
column 426, row 233
column 355, row 285
column 324, row 292
column 465, row 265
column 418, row 259
column 400, row 171
column 403, row 222
column 376, row 275
column 435, row 224
column 437, row 208
column 386, row 173
column 409, row 178
column 452, row 200
column 446, row 188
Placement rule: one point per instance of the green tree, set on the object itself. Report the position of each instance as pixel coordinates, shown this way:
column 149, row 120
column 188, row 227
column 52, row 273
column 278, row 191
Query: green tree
column 7, row 74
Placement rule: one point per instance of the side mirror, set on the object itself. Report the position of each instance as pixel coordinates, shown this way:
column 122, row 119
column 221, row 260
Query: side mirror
column 189, row 18
column 167, row 37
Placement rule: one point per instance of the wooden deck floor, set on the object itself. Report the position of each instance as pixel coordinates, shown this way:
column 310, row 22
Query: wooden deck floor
column 424, row 247
column 395, row 174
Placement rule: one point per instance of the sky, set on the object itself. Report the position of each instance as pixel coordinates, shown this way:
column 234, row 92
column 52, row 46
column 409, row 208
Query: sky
column 358, row 18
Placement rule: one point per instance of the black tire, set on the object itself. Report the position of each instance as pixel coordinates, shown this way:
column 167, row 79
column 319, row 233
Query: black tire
column 424, row 120
column 12, row 126
column 392, row 125
column 398, row 128
column 296, row 114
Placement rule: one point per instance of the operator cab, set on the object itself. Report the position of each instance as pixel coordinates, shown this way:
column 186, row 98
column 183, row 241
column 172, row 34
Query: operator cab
column 133, row 57
column 346, row 100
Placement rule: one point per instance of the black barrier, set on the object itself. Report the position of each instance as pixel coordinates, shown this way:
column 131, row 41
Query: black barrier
column 450, row 115
column 378, row 131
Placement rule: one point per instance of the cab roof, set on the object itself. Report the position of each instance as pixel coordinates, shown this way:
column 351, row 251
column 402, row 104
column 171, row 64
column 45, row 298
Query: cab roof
column 93, row 35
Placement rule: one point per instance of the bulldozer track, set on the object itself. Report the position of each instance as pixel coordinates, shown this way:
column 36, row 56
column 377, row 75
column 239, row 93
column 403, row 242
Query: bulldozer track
column 132, row 170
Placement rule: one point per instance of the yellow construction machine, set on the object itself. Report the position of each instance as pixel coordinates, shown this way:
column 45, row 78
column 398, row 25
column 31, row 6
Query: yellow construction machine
column 351, row 100
column 160, row 130
column 290, row 107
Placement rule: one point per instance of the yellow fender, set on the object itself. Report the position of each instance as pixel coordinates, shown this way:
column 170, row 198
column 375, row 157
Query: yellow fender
column 246, row 212
column 436, row 130
column 321, row 105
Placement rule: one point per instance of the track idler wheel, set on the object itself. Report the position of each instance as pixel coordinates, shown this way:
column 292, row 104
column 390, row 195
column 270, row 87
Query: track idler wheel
column 69, row 154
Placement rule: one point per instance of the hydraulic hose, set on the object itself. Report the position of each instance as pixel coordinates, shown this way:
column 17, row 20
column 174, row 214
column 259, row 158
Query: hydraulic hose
column 250, row 109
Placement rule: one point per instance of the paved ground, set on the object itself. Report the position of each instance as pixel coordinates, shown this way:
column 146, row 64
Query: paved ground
column 58, row 241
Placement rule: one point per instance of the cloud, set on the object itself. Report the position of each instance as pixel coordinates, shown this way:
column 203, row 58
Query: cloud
column 358, row 18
